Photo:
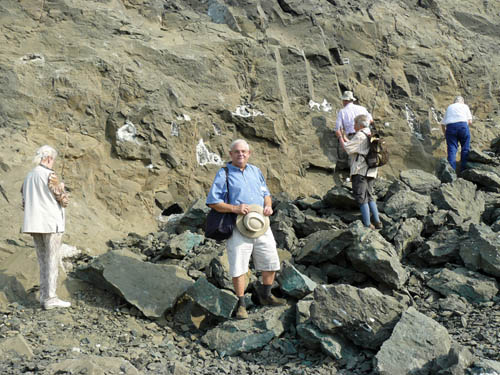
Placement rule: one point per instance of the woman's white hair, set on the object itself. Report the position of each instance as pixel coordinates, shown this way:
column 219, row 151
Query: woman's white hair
column 242, row 141
column 362, row 120
column 44, row 152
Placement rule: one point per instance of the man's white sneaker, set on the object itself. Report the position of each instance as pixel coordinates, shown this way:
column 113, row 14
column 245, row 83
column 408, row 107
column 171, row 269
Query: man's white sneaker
column 55, row 303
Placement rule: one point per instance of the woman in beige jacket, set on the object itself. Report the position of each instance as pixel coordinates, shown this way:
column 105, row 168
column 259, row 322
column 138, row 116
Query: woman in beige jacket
column 44, row 199
column 362, row 177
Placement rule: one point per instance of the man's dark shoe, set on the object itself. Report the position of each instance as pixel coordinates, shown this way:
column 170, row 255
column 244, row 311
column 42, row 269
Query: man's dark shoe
column 241, row 313
column 379, row 225
column 272, row 301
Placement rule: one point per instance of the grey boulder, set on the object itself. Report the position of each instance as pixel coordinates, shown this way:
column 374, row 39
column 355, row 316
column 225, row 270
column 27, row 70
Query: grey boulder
column 481, row 250
column 462, row 198
column 152, row 288
column 239, row 336
column 293, row 282
column 416, row 342
column 419, row 180
column 473, row 286
column 364, row 316
column 374, row 256
column 406, row 204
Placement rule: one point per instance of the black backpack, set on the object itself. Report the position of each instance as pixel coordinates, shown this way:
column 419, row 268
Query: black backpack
column 377, row 154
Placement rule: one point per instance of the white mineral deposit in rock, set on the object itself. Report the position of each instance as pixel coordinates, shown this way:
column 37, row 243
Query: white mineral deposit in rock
column 313, row 105
column 203, row 156
column 33, row 58
column 324, row 106
column 127, row 133
column 438, row 116
column 184, row 117
column 411, row 118
column 246, row 111
column 217, row 128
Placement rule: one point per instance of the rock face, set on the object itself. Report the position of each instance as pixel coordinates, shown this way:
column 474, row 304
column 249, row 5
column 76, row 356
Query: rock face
column 415, row 344
column 142, row 99
column 143, row 110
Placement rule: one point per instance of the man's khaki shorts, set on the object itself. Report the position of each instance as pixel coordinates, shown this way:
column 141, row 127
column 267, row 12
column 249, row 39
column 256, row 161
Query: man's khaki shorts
column 262, row 249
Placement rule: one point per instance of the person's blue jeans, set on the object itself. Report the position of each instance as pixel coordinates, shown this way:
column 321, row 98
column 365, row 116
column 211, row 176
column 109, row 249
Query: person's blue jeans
column 456, row 133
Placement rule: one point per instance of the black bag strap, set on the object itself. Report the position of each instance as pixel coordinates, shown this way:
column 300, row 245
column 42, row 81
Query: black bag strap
column 227, row 184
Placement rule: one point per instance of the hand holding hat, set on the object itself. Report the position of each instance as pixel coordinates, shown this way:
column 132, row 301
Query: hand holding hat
column 254, row 224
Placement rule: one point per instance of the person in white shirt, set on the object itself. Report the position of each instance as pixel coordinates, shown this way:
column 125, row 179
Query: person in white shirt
column 44, row 199
column 455, row 126
column 344, row 126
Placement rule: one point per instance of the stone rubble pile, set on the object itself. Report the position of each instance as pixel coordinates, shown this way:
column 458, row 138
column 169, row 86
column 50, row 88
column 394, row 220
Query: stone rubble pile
column 359, row 295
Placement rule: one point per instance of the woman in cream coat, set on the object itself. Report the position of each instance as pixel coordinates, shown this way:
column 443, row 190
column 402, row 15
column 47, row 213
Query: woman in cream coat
column 44, row 199
column 362, row 177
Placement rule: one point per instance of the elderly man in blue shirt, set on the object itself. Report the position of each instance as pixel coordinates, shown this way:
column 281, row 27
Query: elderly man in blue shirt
column 250, row 199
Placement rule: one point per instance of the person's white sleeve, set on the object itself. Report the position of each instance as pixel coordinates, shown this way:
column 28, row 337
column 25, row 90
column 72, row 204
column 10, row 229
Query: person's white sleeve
column 353, row 146
column 338, row 123
column 469, row 114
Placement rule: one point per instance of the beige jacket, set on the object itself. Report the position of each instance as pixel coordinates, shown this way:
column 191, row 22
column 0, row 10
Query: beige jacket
column 358, row 146
column 43, row 204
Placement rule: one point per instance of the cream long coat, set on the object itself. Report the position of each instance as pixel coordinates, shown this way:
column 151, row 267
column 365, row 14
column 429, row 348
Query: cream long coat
column 42, row 212
column 359, row 144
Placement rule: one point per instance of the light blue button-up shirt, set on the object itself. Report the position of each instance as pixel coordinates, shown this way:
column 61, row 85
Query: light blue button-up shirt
column 245, row 187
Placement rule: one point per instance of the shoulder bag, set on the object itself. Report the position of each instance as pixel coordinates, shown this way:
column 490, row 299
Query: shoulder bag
column 220, row 225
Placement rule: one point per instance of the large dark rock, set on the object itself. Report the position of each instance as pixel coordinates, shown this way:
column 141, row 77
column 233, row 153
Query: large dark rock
column 312, row 224
column 194, row 218
column 408, row 236
column 294, row 283
column 481, row 250
column 181, row 245
column 324, row 245
column 283, row 231
column 374, row 256
column 235, row 337
column 478, row 156
column 218, row 302
column 471, row 285
column 152, row 288
column 415, row 344
column 364, row 316
column 406, row 204
column 333, row 345
column 487, row 180
column 218, row 271
column 442, row 247
column 419, row 180
column 445, row 172
column 340, row 197
column 462, row 198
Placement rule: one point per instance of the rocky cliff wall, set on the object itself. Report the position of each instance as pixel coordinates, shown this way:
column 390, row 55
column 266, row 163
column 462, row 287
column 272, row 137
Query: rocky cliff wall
column 143, row 97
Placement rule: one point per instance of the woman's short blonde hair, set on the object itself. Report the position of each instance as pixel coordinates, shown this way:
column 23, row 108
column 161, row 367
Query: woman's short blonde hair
column 43, row 153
